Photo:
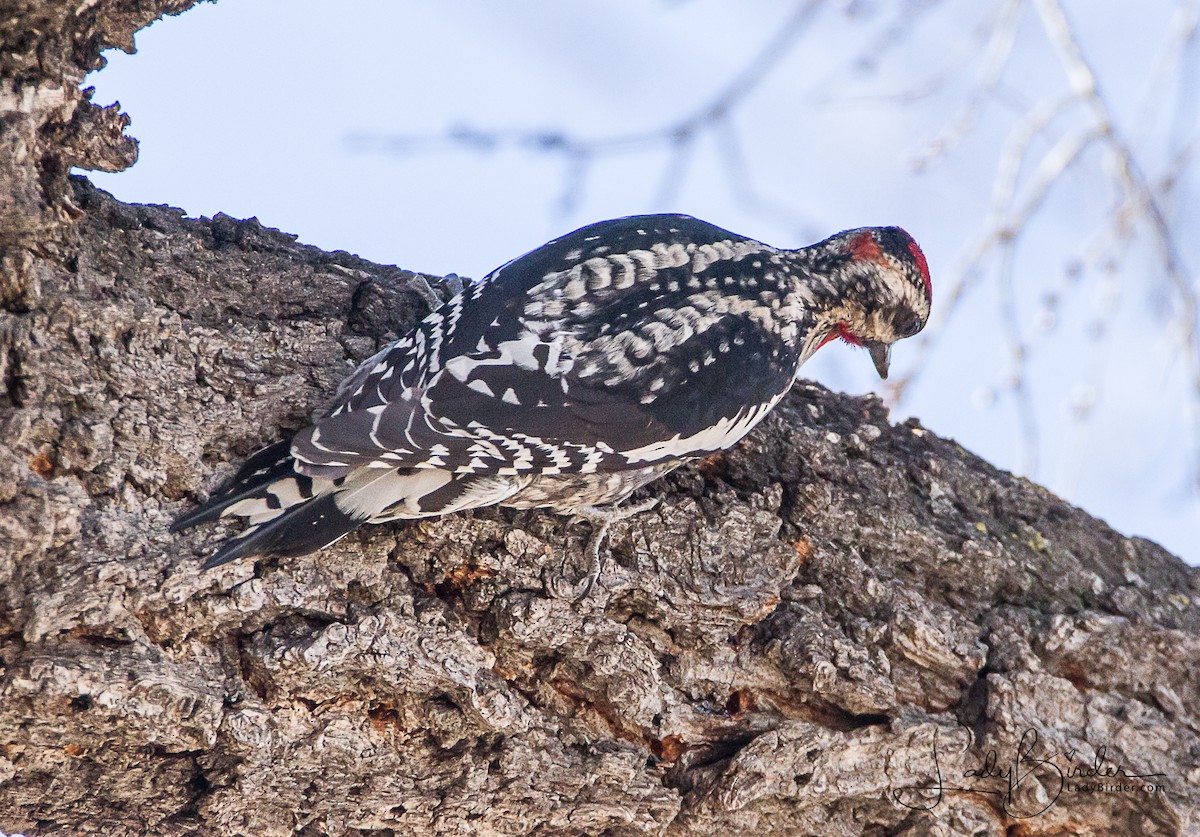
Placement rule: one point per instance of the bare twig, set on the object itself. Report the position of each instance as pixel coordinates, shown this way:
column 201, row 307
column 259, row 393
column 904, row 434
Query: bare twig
column 1019, row 381
column 679, row 138
column 1082, row 78
column 996, row 55
column 1004, row 222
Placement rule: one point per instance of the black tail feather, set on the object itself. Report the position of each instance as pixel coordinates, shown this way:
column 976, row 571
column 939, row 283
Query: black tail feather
column 260, row 470
column 311, row 523
column 301, row 529
column 258, row 463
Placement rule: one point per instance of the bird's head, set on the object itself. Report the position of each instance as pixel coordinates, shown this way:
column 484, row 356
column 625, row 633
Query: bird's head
column 877, row 290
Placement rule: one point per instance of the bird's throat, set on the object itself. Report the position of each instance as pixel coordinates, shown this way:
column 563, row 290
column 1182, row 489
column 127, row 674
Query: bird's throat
column 842, row 331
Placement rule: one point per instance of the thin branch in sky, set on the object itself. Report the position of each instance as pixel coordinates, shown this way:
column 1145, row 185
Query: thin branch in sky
column 741, row 183
column 897, row 34
column 996, row 56
column 1181, row 35
column 1082, row 400
column 679, row 138
column 1018, row 383
column 753, row 72
column 674, row 173
column 1082, row 78
column 1006, row 220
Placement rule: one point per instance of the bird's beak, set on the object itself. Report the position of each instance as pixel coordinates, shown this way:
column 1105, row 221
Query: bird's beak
column 880, row 355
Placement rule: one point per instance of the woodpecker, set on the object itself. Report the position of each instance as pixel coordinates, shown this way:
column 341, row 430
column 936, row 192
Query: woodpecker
column 573, row 375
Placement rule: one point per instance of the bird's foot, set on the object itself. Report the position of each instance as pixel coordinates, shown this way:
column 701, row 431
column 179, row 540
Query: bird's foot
column 601, row 519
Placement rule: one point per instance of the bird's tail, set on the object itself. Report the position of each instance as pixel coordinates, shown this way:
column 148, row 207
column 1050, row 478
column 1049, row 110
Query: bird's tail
column 289, row 513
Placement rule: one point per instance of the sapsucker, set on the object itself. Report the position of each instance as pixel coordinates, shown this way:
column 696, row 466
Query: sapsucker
column 573, row 375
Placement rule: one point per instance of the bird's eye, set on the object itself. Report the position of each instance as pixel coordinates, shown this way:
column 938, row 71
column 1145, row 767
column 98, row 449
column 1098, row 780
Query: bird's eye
column 906, row 324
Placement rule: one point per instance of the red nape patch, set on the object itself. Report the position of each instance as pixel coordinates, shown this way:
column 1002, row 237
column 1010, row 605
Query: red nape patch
column 864, row 246
column 922, row 265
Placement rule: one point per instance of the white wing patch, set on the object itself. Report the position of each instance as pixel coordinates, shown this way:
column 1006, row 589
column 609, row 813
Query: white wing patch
column 366, row 493
column 724, row 434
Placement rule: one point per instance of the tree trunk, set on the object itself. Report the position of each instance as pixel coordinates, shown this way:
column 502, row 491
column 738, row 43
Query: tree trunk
column 805, row 632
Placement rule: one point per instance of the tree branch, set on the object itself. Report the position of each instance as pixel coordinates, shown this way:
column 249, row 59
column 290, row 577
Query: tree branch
column 780, row 647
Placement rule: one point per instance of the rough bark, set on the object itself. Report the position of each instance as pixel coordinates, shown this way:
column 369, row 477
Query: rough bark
column 779, row 648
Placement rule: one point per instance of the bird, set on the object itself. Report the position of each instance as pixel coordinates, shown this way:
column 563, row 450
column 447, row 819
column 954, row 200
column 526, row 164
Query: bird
column 572, row 376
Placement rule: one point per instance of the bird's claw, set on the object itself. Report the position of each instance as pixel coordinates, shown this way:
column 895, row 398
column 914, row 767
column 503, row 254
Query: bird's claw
column 600, row 520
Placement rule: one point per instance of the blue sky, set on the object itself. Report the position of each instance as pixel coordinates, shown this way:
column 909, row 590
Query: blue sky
column 292, row 111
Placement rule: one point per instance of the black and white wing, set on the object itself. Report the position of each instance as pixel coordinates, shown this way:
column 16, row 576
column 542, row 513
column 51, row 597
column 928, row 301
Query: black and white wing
column 622, row 344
